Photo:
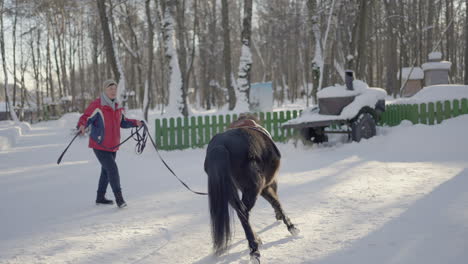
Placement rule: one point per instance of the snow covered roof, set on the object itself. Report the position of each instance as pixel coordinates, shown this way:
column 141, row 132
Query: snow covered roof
column 341, row 91
column 436, row 93
column 436, row 55
column 416, row 74
column 442, row 65
column 66, row 98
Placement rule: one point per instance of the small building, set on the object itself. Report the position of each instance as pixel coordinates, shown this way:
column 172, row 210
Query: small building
column 261, row 97
column 412, row 78
column 435, row 70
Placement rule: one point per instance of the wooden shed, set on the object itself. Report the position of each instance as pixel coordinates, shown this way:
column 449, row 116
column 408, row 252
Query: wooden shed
column 413, row 77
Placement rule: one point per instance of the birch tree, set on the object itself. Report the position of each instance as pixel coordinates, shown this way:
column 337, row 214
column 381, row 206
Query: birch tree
column 13, row 115
column 245, row 63
column 176, row 100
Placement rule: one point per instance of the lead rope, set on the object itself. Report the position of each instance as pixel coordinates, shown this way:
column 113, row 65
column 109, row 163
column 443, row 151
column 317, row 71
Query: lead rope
column 140, row 146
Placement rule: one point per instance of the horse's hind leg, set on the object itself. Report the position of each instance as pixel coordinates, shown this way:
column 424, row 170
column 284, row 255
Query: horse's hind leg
column 249, row 199
column 269, row 193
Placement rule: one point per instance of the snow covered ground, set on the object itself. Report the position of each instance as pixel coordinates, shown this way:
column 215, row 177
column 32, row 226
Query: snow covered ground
column 400, row 197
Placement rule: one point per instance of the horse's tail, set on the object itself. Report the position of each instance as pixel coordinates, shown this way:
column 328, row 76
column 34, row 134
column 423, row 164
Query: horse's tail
column 221, row 193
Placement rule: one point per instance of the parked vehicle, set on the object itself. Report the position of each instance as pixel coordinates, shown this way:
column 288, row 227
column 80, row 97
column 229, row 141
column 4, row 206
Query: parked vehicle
column 355, row 106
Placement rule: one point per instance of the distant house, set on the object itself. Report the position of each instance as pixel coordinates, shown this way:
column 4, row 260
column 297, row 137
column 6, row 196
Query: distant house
column 413, row 77
column 436, row 71
column 261, row 97
column 433, row 72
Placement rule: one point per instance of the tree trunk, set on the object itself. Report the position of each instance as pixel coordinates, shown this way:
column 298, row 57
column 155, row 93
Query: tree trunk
column 96, row 69
column 466, row 43
column 149, row 75
column 5, row 73
column 49, row 68
column 57, row 68
column 316, row 40
column 176, row 100
column 182, row 52
column 108, row 43
column 15, row 20
column 362, row 40
column 227, row 54
column 430, row 24
column 35, row 56
column 391, row 49
column 245, row 63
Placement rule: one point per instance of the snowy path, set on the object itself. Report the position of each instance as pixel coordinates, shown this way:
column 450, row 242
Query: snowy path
column 401, row 197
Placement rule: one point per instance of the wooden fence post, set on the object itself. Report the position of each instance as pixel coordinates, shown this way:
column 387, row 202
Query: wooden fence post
column 206, row 126
column 431, row 113
column 423, row 114
column 464, row 107
column 447, row 110
column 439, row 112
column 415, row 113
column 193, row 132
column 275, row 134
column 228, row 120
column 157, row 132
column 456, row 108
column 200, row 140
column 165, row 134
column 214, row 127
column 171, row 133
column 186, row 132
column 179, row 144
column 221, row 124
column 268, row 122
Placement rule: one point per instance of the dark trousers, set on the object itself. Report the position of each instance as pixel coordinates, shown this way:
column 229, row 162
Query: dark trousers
column 109, row 171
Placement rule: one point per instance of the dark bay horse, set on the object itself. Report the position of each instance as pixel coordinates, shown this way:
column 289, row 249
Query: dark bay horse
column 244, row 158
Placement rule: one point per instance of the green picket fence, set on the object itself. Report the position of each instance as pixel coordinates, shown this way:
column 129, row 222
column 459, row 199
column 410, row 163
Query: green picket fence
column 196, row 132
column 430, row 113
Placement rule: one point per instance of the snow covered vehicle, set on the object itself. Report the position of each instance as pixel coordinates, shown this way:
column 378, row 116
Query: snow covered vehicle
column 355, row 106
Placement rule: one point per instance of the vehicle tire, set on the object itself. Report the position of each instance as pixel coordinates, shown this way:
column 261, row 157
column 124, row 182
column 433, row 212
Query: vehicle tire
column 319, row 135
column 363, row 127
column 305, row 134
column 310, row 135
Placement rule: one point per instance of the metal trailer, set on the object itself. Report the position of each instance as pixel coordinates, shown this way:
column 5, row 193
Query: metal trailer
column 359, row 126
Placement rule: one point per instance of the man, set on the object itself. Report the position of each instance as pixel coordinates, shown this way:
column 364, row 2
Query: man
column 105, row 119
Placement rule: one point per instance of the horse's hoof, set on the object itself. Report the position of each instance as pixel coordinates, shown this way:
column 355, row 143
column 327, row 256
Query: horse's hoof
column 278, row 217
column 255, row 258
column 259, row 241
column 294, row 231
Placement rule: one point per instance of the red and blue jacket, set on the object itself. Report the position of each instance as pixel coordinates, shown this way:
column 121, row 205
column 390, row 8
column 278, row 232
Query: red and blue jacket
column 105, row 124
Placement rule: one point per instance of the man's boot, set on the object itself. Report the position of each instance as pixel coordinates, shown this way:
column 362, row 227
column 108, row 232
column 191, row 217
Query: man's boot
column 101, row 199
column 119, row 199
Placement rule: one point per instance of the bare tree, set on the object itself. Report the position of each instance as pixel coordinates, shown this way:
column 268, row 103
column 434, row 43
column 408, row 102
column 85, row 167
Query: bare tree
column 227, row 55
column 108, row 43
column 149, row 79
column 5, row 73
column 15, row 22
column 391, row 48
column 466, row 42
